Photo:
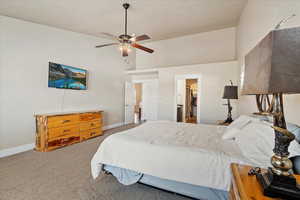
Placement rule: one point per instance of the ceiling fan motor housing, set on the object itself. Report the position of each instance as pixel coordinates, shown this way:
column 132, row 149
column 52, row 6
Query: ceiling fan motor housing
column 125, row 38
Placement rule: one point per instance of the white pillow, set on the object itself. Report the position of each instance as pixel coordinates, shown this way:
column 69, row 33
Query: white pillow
column 295, row 129
column 256, row 142
column 240, row 122
column 266, row 118
column 230, row 133
column 236, row 126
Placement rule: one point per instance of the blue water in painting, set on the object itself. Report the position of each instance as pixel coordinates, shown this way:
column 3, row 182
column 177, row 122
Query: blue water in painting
column 67, row 83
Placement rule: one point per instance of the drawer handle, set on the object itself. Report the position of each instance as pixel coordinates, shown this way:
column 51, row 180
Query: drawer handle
column 93, row 133
column 92, row 124
column 67, row 130
column 66, row 121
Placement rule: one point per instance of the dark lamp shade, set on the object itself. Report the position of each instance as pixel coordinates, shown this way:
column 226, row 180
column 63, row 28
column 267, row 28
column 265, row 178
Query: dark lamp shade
column 273, row 66
column 230, row 92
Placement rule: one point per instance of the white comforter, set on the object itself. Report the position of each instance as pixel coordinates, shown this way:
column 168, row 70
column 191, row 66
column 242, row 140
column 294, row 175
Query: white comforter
column 189, row 153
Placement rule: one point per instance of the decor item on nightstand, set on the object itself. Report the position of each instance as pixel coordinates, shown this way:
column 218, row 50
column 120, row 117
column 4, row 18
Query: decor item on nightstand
column 245, row 187
column 263, row 103
column 272, row 68
column 230, row 92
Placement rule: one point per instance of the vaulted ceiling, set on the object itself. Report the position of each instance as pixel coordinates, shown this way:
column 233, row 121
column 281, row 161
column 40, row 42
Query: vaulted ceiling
column 161, row 19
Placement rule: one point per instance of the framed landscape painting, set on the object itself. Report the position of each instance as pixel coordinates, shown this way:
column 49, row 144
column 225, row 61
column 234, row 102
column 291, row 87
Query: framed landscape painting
column 67, row 77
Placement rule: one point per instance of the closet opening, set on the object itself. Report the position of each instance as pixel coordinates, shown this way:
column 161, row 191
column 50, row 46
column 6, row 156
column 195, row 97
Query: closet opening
column 191, row 100
column 138, row 102
column 187, row 94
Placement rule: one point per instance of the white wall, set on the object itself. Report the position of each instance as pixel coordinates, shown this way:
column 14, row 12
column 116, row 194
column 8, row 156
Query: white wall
column 258, row 18
column 26, row 49
column 139, row 77
column 209, row 47
column 181, row 92
column 214, row 77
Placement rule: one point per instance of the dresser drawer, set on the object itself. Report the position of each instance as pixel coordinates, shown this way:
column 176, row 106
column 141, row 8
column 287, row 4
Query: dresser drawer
column 90, row 125
column 63, row 131
column 61, row 141
column 57, row 121
column 90, row 116
column 84, row 135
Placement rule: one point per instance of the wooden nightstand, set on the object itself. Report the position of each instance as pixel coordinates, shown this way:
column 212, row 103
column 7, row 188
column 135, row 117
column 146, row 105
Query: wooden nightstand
column 245, row 187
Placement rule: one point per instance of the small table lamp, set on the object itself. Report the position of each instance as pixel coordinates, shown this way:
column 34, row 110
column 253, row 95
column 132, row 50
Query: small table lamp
column 230, row 92
column 273, row 68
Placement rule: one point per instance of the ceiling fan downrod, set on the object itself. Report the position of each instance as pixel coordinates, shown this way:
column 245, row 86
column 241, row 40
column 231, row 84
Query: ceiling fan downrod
column 126, row 6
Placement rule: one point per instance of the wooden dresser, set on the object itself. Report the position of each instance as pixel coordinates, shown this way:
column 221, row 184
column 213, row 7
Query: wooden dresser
column 61, row 129
column 245, row 187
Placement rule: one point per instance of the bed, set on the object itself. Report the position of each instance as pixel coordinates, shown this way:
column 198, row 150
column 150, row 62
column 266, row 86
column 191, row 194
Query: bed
column 189, row 159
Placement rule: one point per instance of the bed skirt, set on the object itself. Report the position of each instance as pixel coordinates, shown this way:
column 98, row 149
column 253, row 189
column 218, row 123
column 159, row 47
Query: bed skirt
column 128, row 177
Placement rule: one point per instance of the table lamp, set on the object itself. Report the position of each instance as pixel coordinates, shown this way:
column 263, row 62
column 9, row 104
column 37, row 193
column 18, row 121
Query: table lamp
column 273, row 68
column 230, row 92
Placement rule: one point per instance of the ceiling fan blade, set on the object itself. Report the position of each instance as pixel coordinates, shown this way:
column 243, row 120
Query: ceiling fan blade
column 140, row 38
column 110, row 36
column 124, row 53
column 105, row 45
column 135, row 45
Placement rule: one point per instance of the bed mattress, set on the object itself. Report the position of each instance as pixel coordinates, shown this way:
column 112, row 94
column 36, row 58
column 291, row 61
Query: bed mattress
column 187, row 153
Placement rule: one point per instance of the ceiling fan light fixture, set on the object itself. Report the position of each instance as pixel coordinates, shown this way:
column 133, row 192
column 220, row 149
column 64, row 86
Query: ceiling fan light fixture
column 124, row 47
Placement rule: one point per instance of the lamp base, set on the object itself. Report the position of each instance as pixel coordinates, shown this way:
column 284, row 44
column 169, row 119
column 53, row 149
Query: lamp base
column 229, row 115
column 277, row 186
column 228, row 120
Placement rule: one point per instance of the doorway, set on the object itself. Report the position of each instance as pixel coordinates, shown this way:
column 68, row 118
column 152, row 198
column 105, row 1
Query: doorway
column 138, row 102
column 187, row 98
column 191, row 86
column 141, row 101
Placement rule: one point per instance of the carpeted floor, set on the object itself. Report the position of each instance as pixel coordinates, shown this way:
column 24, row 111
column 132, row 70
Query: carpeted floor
column 64, row 174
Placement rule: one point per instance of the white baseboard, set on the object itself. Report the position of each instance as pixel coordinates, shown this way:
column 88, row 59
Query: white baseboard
column 16, row 150
column 27, row 147
column 113, row 126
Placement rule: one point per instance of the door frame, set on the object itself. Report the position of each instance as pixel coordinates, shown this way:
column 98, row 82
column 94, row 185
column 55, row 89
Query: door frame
column 199, row 84
column 145, row 81
column 125, row 104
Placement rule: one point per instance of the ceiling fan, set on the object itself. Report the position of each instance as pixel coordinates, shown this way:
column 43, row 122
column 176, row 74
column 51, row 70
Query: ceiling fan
column 126, row 41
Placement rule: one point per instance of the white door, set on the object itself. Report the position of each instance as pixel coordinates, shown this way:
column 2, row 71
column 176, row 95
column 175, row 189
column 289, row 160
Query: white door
column 150, row 100
column 129, row 102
